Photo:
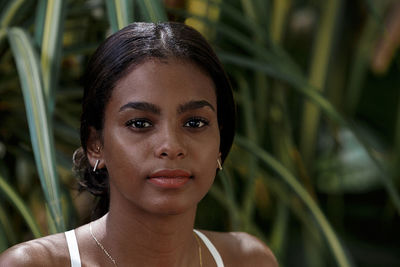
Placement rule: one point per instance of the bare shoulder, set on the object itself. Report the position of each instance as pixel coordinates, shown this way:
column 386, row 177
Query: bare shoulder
column 242, row 249
column 51, row 250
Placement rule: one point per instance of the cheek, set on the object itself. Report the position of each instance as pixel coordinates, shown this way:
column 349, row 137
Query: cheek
column 122, row 154
column 206, row 154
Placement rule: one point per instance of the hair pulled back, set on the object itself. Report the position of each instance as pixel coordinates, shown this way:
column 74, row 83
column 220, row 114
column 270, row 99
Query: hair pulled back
column 121, row 53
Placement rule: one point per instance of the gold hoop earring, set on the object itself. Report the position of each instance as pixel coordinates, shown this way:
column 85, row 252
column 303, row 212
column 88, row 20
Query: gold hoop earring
column 95, row 165
column 74, row 155
column 219, row 164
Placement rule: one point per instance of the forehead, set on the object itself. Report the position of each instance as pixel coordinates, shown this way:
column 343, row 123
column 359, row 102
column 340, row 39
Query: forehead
column 171, row 80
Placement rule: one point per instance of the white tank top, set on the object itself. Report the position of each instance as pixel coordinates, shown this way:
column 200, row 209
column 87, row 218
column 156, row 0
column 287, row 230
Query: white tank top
column 76, row 258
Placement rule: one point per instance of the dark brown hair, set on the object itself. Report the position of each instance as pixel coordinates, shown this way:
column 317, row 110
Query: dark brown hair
column 121, row 53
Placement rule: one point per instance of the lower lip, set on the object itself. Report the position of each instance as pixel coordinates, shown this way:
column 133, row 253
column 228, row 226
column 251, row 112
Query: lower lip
column 169, row 182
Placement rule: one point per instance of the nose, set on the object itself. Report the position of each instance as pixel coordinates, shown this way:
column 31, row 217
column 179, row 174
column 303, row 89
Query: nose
column 170, row 145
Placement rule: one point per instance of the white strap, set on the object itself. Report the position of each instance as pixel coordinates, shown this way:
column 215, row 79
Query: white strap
column 214, row 252
column 73, row 248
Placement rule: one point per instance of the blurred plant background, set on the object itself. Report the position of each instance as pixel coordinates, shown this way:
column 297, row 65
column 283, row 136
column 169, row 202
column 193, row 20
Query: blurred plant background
column 314, row 171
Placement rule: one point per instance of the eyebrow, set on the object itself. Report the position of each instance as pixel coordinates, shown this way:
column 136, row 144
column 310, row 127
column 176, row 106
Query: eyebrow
column 191, row 105
column 146, row 106
column 143, row 106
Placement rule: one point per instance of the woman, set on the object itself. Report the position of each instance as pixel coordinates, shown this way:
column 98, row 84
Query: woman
column 157, row 124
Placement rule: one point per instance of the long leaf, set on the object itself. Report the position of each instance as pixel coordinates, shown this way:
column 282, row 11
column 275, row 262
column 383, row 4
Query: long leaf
column 39, row 125
column 3, row 241
column 308, row 91
column 22, row 208
column 281, row 138
column 8, row 231
column 218, row 194
column 120, row 13
column 251, row 133
column 229, row 192
column 229, row 204
column 298, row 82
column 280, row 230
column 333, row 241
column 40, row 19
column 153, row 11
column 7, row 14
column 51, row 48
column 362, row 57
column 274, row 56
column 318, row 73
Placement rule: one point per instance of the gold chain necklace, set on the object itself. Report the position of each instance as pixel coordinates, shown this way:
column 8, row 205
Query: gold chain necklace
column 114, row 262
column 101, row 246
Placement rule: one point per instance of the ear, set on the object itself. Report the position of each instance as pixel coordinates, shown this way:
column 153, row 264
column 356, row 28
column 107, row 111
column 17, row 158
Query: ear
column 94, row 149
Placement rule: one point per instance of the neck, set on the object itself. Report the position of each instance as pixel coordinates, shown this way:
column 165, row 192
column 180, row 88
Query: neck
column 139, row 237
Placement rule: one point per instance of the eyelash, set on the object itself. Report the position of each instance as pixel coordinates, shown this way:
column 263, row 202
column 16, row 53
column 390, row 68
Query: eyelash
column 197, row 120
column 131, row 123
column 134, row 123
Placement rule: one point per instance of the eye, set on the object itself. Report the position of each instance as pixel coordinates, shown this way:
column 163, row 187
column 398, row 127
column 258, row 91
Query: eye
column 196, row 123
column 139, row 123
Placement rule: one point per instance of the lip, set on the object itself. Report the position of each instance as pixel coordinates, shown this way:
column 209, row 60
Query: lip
column 170, row 179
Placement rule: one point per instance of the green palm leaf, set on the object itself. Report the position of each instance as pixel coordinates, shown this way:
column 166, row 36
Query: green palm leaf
column 38, row 121
column 7, row 15
column 7, row 235
column 120, row 13
column 301, row 85
column 9, row 12
column 16, row 200
column 326, row 228
column 322, row 51
column 52, row 33
column 153, row 11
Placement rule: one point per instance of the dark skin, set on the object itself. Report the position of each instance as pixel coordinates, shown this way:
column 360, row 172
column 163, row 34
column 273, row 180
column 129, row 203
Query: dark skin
column 161, row 116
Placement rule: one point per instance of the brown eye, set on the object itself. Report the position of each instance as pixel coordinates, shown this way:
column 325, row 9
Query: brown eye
column 139, row 123
column 196, row 123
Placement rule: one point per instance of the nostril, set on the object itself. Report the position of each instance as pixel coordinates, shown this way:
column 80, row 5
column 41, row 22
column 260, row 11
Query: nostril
column 168, row 155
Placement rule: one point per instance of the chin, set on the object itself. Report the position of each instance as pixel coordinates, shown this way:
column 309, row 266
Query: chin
column 166, row 208
column 171, row 212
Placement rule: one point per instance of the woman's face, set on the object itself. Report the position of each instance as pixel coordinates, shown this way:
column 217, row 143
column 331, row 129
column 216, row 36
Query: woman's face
column 161, row 137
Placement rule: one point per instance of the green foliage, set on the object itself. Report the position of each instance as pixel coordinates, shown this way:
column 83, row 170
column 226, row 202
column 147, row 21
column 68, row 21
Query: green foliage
column 38, row 119
column 314, row 168
column 13, row 197
column 120, row 13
